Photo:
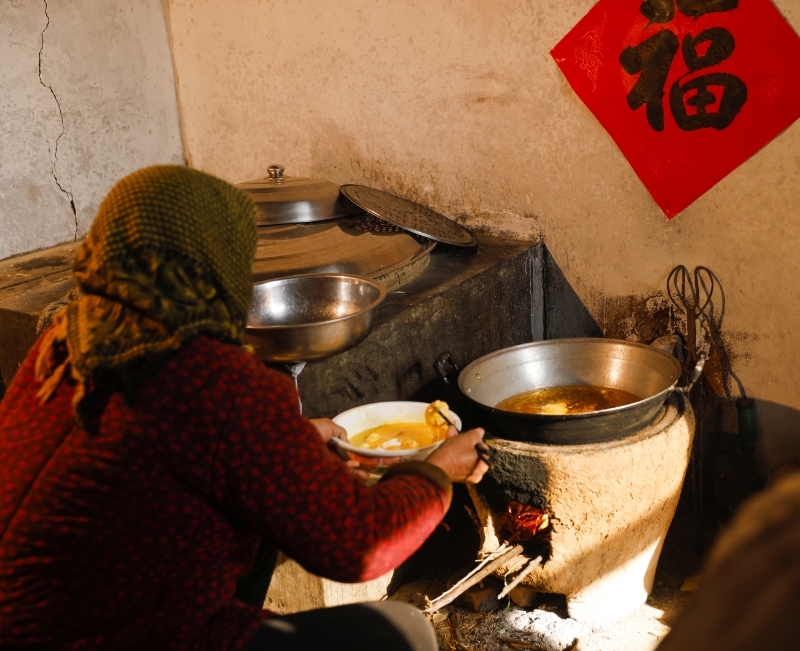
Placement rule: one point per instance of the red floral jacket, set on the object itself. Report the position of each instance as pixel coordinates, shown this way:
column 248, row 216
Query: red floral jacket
column 133, row 536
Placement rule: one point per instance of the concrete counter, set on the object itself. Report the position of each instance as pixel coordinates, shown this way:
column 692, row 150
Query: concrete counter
column 467, row 303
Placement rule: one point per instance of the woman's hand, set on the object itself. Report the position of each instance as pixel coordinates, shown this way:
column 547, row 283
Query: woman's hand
column 328, row 429
column 458, row 457
column 357, row 470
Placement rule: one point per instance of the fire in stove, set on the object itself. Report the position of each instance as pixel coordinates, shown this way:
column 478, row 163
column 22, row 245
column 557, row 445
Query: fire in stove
column 523, row 522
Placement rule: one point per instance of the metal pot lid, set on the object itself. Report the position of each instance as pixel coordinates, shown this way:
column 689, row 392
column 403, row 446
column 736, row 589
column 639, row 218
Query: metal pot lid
column 408, row 215
column 283, row 199
column 364, row 245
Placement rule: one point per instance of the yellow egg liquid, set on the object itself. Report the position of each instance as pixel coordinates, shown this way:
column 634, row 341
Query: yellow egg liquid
column 569, row 399
column 399, row 436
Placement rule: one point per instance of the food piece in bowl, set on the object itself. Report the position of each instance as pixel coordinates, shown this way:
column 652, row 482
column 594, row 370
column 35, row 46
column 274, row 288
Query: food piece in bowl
column 399, row 436
column 435, row 413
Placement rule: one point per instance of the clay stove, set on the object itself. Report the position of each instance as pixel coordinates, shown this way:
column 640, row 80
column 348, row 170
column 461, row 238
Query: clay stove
column 610, row 505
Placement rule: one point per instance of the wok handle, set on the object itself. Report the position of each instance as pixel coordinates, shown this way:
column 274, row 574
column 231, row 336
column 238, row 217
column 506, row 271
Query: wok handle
column 696, row 373
column 485, row 453
column 439, row 365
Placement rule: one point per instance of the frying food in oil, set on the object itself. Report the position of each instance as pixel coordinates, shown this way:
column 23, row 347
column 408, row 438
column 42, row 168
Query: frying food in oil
column 568, row 399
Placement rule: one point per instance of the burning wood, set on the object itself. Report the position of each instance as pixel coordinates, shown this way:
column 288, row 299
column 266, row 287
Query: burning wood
column 524, row 522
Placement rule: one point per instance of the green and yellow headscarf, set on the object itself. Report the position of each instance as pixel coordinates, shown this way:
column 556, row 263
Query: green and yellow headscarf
column 169, row 256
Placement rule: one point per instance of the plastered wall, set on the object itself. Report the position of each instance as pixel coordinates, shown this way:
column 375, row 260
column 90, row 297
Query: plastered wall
column 87, row 95
column 459, row 106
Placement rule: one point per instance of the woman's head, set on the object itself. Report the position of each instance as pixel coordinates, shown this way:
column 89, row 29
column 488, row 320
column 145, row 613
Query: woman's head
column 169, row 257
column 175, row 244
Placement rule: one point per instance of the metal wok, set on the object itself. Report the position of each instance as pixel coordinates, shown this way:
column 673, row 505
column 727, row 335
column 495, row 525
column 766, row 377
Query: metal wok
column 636, row 368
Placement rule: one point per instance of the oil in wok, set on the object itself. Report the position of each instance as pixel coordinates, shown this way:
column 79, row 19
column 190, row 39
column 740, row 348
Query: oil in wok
column 567, row 399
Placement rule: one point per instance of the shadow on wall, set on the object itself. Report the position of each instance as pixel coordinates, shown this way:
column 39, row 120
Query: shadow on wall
column 778, row 437
column 565, row 314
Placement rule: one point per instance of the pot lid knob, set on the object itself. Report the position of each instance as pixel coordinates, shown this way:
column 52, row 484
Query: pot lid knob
column 275, row 171
column 283, row 199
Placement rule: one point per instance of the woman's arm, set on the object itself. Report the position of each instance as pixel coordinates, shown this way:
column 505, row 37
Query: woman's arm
column 280, row 479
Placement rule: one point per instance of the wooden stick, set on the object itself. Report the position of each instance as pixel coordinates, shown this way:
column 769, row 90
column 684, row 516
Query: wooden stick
column 502, row 549
column 530, row 567
column 456, row 591
column 518, row 565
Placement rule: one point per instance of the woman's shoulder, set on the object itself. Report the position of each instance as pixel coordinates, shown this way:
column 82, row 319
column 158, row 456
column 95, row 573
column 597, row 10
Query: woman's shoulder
column 228, row 361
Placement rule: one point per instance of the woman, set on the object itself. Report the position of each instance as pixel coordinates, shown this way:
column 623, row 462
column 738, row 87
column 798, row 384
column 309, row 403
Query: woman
column 146, row 454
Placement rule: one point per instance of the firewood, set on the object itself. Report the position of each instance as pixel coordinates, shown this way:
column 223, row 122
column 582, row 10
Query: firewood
column 450, row 596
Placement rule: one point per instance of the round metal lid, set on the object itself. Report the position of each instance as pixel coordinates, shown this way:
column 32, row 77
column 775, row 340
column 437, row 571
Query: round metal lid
column 408, row 215
column 364, row 245
column 283, row 199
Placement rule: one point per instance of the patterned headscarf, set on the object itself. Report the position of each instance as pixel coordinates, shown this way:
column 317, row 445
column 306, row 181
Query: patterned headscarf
column 169, row 256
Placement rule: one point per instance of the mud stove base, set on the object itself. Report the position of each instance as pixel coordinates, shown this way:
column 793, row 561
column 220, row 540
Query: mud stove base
column 610, row 505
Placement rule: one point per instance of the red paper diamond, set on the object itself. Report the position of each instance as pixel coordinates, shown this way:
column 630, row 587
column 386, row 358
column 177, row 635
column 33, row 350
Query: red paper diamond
column 729, row 74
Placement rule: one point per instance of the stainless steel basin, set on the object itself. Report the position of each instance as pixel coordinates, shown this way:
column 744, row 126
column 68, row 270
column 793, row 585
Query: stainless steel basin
column 303, row 318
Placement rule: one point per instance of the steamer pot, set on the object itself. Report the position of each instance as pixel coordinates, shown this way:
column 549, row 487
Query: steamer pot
column 306, row 226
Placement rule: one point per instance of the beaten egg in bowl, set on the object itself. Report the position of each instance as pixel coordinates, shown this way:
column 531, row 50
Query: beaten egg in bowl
column 399, row 436
column 390, row 432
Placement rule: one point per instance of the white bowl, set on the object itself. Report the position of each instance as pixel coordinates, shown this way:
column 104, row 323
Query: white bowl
column 365, row 417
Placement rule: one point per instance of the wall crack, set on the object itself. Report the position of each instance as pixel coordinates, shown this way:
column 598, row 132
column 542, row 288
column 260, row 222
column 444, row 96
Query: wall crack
column 53, row 149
